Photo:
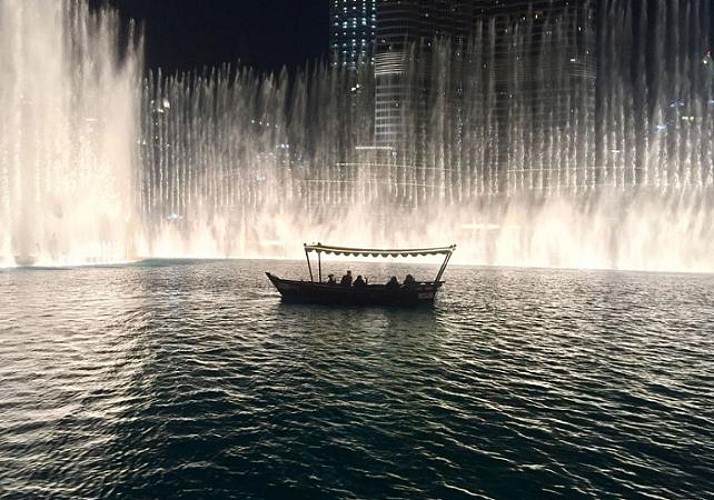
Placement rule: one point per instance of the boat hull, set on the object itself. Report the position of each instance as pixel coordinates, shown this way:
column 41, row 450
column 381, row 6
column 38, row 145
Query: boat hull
column 310, row 292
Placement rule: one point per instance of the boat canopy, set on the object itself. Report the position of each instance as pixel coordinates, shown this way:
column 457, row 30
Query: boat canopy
column 378, row 252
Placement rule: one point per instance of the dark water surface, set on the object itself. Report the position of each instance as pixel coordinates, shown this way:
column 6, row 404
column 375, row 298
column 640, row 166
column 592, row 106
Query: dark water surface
column 186, row 380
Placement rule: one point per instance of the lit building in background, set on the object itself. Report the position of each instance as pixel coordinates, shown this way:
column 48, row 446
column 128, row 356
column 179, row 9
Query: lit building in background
column 538, row 65
column 516, row 71
column 406, row 30
column 544, row 73
column 352, row 32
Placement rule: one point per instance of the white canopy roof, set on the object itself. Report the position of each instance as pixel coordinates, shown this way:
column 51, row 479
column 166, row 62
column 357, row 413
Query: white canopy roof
column 378, row 252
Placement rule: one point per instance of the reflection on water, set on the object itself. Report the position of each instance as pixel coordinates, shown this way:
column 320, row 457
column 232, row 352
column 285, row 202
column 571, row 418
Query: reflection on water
column 183, row 378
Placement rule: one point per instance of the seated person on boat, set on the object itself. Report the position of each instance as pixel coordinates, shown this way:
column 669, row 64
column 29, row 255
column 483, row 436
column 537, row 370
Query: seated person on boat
column 409, row 282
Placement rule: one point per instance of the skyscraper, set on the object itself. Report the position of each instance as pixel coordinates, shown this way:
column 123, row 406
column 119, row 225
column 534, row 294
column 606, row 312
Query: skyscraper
column 406, row 30
column 544, row 74
column 501, row 78
column 535, row 80
column 352, row 32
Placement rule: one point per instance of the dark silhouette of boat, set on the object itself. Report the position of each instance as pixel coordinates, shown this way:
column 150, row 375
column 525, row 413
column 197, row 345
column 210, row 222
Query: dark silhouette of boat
column 410, row 293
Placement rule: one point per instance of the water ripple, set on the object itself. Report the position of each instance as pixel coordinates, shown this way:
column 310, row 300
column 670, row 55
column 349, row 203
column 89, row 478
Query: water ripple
column 192, row 379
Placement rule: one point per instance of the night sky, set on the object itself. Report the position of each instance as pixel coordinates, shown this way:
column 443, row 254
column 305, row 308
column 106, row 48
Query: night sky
column 183, row 35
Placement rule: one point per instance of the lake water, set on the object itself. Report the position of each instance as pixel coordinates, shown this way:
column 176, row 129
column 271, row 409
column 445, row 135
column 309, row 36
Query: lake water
column 191, row 379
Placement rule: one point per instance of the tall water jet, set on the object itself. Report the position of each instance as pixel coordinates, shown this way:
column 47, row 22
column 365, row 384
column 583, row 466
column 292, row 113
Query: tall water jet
column 234, row 161
column 67, row 134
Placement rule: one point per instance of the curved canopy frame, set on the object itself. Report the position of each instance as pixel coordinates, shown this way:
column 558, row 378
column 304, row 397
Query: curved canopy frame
column 378, row 252
column 319, row 248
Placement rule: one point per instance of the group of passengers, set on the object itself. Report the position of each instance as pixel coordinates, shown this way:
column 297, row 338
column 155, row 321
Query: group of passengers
column 347, row 280
column 360, row 282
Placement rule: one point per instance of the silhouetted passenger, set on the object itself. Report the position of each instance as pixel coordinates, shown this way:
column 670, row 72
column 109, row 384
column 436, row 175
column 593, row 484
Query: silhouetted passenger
column 331, row 279
column 409, row 281
column 359, row 282
column 393, row 283
column 346, row 279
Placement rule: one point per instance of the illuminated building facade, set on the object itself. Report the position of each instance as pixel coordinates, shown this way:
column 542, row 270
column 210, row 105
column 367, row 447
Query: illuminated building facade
column 544, row 69
column 406, row 30
column 535, row 78
column 352, row 32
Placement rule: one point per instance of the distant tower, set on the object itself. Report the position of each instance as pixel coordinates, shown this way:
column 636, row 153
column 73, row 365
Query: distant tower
column 545, row 71
column 494, row 69
column 539, row 68
column 405, row 32
column 352, row 32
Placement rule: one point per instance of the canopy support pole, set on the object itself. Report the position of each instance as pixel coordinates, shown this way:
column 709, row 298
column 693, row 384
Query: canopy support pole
column 443, row 266
column 309, row 267
column 319, row 267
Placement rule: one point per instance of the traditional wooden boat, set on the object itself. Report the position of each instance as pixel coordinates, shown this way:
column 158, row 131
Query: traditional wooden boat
column 410, row 293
